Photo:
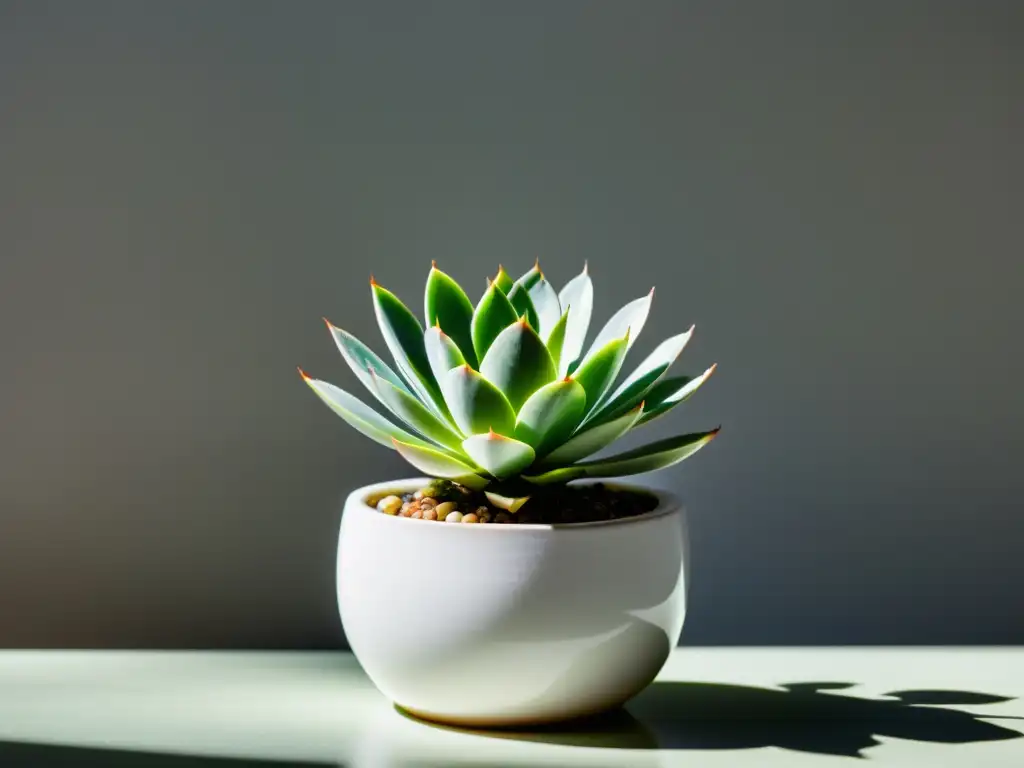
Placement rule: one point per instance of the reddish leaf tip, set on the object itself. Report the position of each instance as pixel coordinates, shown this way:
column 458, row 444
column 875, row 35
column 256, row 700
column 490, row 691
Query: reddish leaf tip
column 328, row 323
column 651, row 294
column 302, row 373
column 372, row 280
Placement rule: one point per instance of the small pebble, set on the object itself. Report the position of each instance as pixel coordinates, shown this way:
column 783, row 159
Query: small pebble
column 426, row 502
column 430, row 514
column 445, row 508
column 485, row 516
column 454, row 517
column 417, row 515
column 503, row 517
column 408, row 508
column 470, row 518
column 418, row 495
column 389, row 505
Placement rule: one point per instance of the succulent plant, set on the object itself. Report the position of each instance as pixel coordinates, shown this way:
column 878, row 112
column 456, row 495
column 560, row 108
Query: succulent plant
column 503, row 395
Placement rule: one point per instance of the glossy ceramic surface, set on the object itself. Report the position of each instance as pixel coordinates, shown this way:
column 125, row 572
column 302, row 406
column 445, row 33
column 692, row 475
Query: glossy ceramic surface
column 510, row 624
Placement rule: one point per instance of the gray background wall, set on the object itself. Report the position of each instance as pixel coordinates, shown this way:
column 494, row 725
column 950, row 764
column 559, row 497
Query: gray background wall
column 831, row 191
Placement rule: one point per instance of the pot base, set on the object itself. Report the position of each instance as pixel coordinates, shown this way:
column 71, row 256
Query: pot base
column 503, row 723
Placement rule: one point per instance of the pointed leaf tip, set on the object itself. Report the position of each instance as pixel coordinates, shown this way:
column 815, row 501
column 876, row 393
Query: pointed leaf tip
column 586, row 266
column 302, row 373
column 651, row 294
column 433, row 263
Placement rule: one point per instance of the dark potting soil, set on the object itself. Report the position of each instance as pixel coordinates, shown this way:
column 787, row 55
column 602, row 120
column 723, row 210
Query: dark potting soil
column 584, row 504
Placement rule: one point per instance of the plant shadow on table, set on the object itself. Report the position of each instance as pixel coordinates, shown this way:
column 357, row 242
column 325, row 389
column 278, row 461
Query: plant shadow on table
column 805, row 717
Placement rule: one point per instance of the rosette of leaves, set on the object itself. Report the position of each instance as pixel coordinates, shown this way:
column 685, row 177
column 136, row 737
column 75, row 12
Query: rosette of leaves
column 505, row 394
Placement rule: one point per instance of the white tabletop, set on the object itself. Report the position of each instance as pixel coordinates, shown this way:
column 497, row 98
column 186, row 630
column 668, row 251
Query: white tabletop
column 709, row 707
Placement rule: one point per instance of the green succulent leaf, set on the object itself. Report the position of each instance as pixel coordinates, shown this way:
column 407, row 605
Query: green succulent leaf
column 548, row 308
column 667, row 394
column 635, row 387
column 551, row 414
column 437, row 464
column 597, row 371
column 503, row 281
column 443, row 354
column 361, row 359
column 530, row 278
column 404, row 336
column 556, row 338
column 510, row 503
column 519, row 298
column 648, row 458
column 446, row 304
column 631, row 317
column 493, row 314
column 501, row 456
column 415, row 414
column 518, row 363
column 578, row 296
column 476, row 404
column 593, row 439
column 359, row 415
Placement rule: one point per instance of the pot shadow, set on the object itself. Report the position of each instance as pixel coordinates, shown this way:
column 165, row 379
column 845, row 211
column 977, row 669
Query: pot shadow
column 803, row 717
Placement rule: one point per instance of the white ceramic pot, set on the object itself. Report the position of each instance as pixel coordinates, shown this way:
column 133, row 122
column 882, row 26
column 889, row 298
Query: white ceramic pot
column 498, row 625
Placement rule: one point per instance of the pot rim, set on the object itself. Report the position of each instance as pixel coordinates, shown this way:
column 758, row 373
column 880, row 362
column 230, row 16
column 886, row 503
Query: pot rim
column 668, row 503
